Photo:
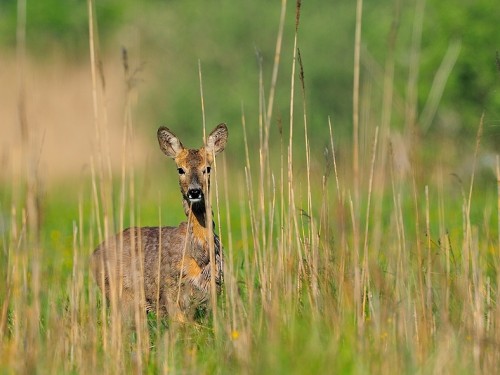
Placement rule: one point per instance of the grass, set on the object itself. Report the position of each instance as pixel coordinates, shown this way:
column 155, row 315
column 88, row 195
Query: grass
column 332, row 266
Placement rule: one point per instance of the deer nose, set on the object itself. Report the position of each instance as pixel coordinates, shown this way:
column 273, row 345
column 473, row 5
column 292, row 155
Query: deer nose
column 194, row 194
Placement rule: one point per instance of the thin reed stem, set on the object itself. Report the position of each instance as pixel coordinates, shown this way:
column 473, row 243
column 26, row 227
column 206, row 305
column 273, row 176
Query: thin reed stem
column 355, row 102
column 209, row 219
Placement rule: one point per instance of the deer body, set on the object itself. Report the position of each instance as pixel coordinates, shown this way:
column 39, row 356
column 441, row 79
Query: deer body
column 168, row 269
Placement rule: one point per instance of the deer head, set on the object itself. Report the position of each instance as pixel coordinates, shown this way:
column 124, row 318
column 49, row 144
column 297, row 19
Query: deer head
column 193, row 165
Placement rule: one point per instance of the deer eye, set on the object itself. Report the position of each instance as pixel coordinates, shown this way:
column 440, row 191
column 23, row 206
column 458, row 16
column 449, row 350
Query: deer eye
column 206, row 170
column 181, row 171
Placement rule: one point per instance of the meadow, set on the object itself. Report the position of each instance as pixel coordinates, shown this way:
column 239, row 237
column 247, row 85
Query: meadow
column 367, row 242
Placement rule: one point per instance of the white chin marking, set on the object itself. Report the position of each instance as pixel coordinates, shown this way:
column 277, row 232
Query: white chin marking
column 197, row 200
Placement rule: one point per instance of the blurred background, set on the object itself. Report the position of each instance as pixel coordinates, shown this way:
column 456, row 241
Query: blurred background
column 438, row 56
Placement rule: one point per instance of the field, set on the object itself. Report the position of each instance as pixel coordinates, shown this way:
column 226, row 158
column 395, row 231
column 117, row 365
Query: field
column 362, row 245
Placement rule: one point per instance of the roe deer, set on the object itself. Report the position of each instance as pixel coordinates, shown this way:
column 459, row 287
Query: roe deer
column 168, row 269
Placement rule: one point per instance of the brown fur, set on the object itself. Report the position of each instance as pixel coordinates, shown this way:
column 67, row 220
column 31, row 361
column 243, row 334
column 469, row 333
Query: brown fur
column 129, row 260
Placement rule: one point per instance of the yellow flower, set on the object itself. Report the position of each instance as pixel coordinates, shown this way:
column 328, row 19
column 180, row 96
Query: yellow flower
column 235, row 334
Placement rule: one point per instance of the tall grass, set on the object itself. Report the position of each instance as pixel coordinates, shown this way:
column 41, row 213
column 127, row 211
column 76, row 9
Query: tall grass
column 331, row 265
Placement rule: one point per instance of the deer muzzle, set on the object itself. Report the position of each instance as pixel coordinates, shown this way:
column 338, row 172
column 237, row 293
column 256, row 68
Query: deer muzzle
column 195, row 195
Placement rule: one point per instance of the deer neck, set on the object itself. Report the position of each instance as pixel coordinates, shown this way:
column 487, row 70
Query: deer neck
column 197, row 219
column 201, row 237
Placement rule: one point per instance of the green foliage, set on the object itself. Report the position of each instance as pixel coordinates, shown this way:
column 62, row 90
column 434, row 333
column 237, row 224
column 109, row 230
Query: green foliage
column 231, row 38
column 474, row 84
column 59, row 25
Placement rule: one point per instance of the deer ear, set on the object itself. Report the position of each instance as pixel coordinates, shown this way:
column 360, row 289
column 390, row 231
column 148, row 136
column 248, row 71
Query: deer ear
column 169, row 143
column 217, row 139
